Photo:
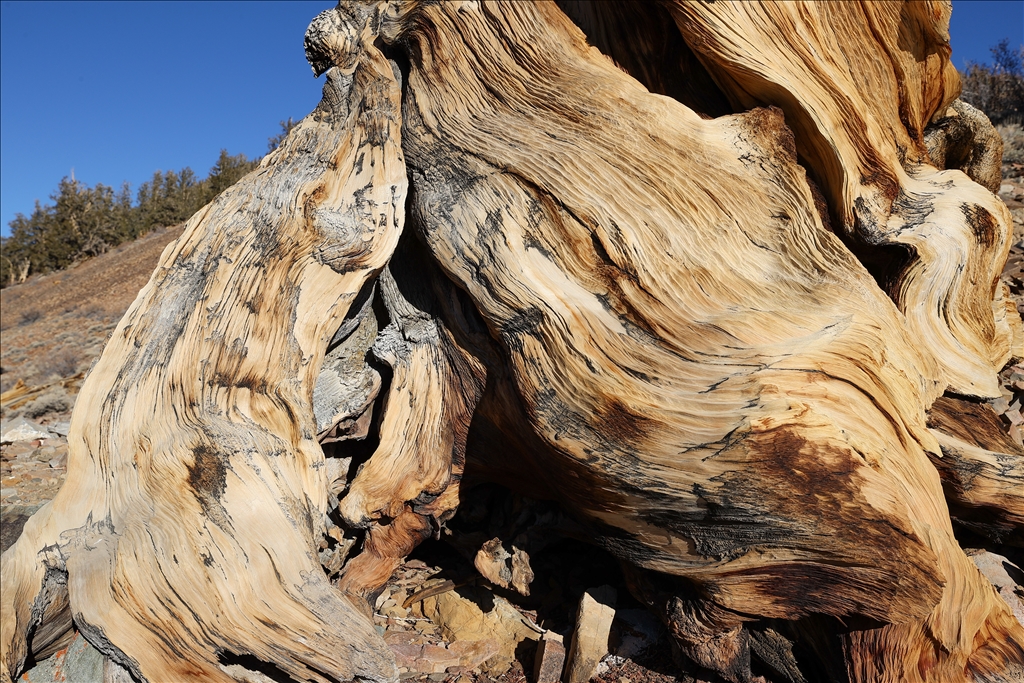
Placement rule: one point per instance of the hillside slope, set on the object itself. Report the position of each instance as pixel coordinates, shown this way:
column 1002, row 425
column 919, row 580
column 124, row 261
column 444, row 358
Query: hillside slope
column 55, row 325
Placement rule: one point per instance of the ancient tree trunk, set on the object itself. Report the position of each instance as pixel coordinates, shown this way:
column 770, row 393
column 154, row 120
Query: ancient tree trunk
column 191, row 531
column 703, row 295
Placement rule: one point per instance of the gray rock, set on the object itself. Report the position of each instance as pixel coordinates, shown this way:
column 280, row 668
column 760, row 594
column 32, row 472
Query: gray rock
column 1007, row 578
column 12, row 520
column 44, row 454
column 115, row 673
column 80, row 662
column 22, row 430
column 21, row 450
column 60, row 428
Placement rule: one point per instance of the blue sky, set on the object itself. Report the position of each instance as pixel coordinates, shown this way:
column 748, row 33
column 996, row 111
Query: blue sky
column 117, row 90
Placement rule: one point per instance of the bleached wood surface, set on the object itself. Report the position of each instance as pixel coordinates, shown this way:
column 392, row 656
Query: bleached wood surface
column 611, row 291
column 198, row 492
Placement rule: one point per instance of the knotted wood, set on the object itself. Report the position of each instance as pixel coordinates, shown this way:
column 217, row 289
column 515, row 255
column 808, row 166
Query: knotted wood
column 689, row 343
column 618, row 287
column 189, row 536
column 859, row 83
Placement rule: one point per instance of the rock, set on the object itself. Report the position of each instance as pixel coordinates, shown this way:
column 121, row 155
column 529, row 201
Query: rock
column 115, row 673
column 473, row 653
column 1006, row 189
column 381, row 599
column 503, row 568
column 12, row 521
column 615, row 662
column 634, row 631
column 435, row 659
column 79, row 662
column 414, row 655
column 393, row 638
column 590, row 637
column 60, row 428
column 44, row 454
column 1005, row 576
column 399, row 595
column 474, row 614
column 394, row 611
column 406, row 646
column 20, row 450
column 550, row 659
column 22, row 430
column 424, row 626
column 1017, row 434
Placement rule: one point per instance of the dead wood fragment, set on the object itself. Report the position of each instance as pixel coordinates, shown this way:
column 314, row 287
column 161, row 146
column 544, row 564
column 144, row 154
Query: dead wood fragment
column 430, row 592
column 982, row 469
column 825, row 65
column 503, row 568
column 619, row 288
column 199, row 489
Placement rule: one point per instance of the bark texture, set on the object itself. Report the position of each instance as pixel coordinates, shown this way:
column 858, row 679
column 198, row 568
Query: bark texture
column 696, row 271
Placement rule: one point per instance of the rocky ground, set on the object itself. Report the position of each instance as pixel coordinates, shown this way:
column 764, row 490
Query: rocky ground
column 442, row 620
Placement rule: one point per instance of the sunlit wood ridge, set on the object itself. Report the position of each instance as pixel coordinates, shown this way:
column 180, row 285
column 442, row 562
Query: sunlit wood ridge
column 697, row 271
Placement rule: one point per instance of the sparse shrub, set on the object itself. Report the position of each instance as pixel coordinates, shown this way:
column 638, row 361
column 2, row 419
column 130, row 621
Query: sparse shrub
column 997, row 90
column 66, row 362
column 83, row 221
column 53, row 401
column 30, row 316
column 91, row 311
column 1013, row 143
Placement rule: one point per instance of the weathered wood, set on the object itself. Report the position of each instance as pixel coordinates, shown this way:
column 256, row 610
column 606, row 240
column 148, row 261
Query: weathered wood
column 691, row 345
column 859, row 83
column 618, row 287
column 188, row 538
column 409, row 487
column 982, row 469
column 963, row 138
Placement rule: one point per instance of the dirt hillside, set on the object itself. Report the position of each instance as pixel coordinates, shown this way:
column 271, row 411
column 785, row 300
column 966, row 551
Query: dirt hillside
column 56, row 325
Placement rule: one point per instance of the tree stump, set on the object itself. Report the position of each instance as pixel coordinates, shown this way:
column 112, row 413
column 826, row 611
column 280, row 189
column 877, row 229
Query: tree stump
column 697, row 271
